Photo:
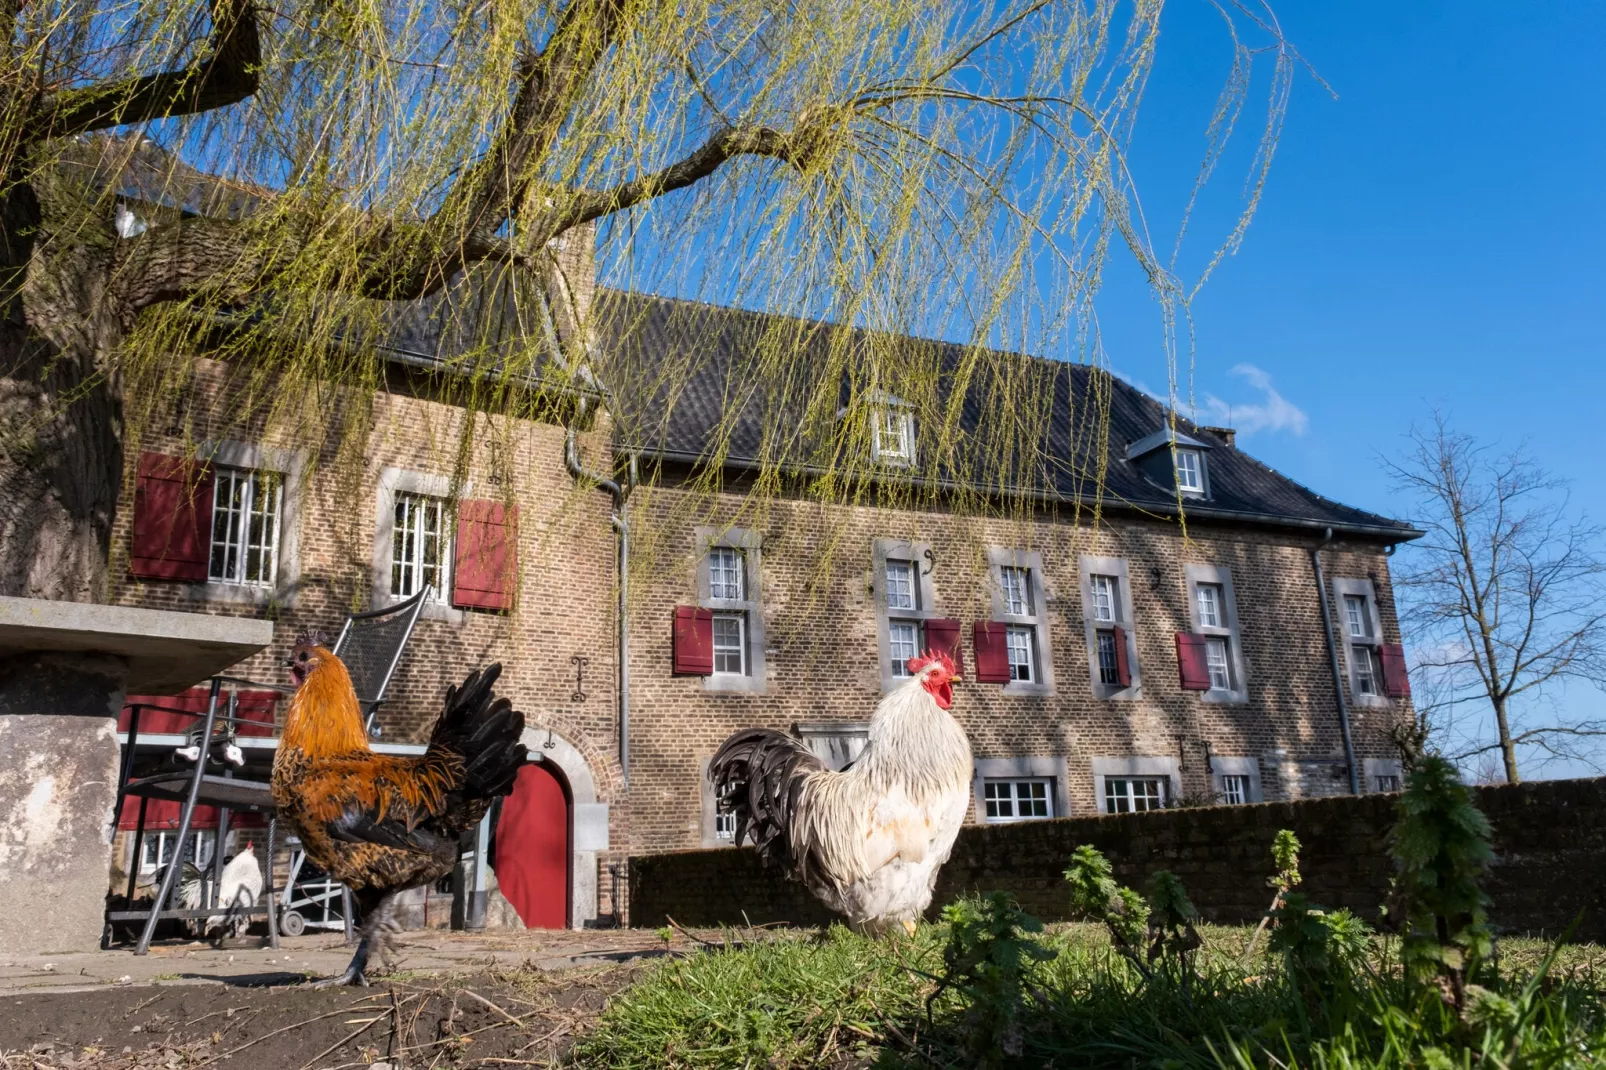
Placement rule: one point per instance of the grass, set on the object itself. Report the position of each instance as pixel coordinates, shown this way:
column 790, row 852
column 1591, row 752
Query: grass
column 839, row 1000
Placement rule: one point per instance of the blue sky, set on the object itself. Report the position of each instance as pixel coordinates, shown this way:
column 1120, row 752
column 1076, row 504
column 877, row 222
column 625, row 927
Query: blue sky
column 1432, row 236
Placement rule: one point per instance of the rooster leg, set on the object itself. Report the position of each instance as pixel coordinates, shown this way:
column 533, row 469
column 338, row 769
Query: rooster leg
column 373, row 937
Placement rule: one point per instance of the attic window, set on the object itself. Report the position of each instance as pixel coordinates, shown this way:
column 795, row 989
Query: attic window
column 1190, row 471
column 894, row 435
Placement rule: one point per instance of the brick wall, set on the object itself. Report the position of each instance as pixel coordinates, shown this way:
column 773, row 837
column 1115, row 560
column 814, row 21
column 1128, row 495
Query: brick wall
column 566, row 556
column 1549, row 837
column 822, row 648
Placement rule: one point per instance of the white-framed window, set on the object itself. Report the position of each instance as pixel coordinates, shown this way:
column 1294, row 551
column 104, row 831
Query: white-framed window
column 730, row 644
column 1103, row 592
column 1018, row 799
column 1235, row 789
column 1016, row 586
column 894, row 435
column 421, row 546
column 728, row 584
column 1190, row 471
column 1135, row 794
column 1215, row 617
column 903, row 587
column 724, row 817
column 1019, row 598
column 903, row 643
column 905, row 599
column 1218, row 659
column 727, row 574
column 156, row 848
column 246, row 504
column 1358, row 617
column 1020, row 640
column 1363, row 665
column 1109, row 667
column 1386, row 782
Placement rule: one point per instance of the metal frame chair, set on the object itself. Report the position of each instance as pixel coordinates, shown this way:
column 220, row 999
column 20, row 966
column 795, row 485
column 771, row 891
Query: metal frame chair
column 373, row 663
column 371, row 644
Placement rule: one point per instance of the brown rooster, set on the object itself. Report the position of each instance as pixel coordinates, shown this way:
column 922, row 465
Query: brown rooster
column 867, row 841
column 378, row 823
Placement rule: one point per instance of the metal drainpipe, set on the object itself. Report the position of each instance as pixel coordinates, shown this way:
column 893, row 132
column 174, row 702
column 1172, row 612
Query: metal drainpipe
column 621, row 525
column 1332, row 661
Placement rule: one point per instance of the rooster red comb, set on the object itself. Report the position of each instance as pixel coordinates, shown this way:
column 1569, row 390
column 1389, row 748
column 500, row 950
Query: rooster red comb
column 938, row 657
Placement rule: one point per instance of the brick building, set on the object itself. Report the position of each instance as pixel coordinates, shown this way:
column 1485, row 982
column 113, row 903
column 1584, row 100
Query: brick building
column 1116, row 658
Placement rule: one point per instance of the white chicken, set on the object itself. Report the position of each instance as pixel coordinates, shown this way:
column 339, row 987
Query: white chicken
column 867, row 841
column 238, row 891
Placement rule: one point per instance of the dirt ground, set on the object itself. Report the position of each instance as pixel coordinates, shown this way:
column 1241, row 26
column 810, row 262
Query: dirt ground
column 502, row 1017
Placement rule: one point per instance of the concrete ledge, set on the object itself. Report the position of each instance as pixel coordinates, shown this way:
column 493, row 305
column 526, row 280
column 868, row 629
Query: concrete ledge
column 166, row 652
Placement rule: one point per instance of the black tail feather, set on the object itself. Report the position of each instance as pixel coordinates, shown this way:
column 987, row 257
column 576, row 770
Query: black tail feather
column 484, row 730
column 762, row 772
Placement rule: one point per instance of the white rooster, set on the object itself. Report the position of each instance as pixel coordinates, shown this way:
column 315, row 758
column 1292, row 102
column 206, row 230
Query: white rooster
column 868, row 840
column 238, row 891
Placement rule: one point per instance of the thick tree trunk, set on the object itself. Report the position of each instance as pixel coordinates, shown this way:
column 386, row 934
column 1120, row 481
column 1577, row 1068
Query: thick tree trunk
column 61, row 452
column 1508, row 749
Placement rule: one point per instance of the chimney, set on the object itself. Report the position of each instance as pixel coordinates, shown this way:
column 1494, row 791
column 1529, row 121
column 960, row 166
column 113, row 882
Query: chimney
column 1227, row 435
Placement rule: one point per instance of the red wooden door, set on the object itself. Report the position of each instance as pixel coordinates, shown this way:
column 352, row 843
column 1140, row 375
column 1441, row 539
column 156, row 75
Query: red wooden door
column 532, row 849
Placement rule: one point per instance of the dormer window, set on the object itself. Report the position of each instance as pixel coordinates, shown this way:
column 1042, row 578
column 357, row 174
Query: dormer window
column 1173, row 460
column 1190, row 471
column 894, row 435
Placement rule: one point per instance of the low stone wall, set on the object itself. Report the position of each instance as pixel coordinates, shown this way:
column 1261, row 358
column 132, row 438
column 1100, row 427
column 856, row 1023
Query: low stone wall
column 1549, row 838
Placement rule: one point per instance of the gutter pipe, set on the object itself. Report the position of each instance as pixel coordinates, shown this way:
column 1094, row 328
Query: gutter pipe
column 621, row 526
column 1332, row 661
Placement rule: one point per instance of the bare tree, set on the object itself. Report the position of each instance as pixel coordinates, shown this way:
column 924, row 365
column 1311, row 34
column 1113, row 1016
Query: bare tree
column 1504, row 599
column 893, row 164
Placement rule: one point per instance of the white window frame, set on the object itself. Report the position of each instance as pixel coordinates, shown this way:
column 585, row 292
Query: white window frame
column 1105, row 769
column 1198, row 575
column 923, row 565
column 1192, row 490
column 441, row 590
column 725, row 562
column 1089, row 566
column 289, row 467
column 892, row 433
column 1163, row 795
column 1050, row 768
column 1222, row 767
column 1345, row 588
column 161, row 843
column 995, row 788
column 394, row 482
column 1036, row 621
column 252, row 484
column 748, row 546
column 740, row 620
column 1020, row 650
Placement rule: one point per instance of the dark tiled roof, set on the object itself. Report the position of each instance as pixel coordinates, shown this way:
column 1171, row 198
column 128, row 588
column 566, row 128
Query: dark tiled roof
column 687, row 382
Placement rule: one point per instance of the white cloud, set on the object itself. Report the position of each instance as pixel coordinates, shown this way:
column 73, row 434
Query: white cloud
column 1272, row 412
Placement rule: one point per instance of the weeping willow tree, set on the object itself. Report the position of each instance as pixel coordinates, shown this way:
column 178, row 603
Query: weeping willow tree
column 305, row 169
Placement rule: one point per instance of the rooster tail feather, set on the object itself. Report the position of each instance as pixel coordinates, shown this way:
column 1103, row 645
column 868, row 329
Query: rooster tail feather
column 484, row 732
column 762, row 773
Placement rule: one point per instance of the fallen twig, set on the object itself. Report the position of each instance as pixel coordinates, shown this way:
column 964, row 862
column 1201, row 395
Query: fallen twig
column 471, row 994
column 347, row 1039
column 688, row 934
column 281, row 1029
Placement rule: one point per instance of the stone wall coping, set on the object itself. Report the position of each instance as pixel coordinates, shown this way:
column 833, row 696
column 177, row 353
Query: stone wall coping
column 166, row 651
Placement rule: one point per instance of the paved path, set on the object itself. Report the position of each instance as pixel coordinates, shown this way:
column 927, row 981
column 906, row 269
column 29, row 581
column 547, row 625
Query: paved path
column 323, row 954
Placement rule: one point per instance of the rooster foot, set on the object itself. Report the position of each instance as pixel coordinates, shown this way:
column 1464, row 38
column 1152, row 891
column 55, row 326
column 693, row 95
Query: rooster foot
column 350, row 977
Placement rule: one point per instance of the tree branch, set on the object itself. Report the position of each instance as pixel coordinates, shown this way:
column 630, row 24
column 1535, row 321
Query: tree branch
column 227, row 75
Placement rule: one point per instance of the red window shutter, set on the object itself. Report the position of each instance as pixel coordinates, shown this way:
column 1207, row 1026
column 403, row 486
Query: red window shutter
column 992, row 653
column 693, row 641
column 1123, row 664
column 172, row 519
column 1192, row 666
column 485, row 570
column 1396, row 681
column 942, row 637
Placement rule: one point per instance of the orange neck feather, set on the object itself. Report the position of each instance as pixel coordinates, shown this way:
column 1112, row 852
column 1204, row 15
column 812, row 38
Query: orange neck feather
column 324, row 717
